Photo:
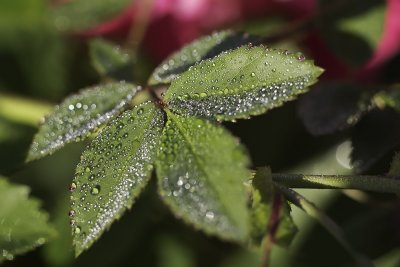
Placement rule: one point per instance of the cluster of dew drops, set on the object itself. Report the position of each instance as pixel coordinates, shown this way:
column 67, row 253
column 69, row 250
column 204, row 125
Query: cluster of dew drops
column 231, row 102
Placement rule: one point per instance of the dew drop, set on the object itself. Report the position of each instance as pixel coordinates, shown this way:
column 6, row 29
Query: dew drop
column 300, row 57
column 253, row 74
column 95, row 190
column 71, row 213
column 120, row 125
column 77, row 230
column 210, row 215
column 72, row 187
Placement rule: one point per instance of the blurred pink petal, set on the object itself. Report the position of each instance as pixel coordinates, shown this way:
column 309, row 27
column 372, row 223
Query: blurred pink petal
column 389, row 44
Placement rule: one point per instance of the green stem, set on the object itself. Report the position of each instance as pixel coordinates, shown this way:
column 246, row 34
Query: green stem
column 330, row 225
column 22, row 110
column 378, row 183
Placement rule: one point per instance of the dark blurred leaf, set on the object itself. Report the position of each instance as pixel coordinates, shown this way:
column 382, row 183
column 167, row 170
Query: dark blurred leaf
column 78, row 15
column 200, row 49
column 23, row 225
column 110, row 60
column 80, row 115
column 354, row 29
column 201, row 170
column 373, row 137
column 333, row 107
column 395, row 165
column 240, row 83
column 113, row 171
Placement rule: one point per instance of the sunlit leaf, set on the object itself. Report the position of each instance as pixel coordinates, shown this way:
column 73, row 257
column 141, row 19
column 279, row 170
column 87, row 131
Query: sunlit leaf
column 80, row 115
column 113, row 171
column 270, row 212
column 243, row 82
column 200, row 49
column 111, row 60
column 78, row 15
column 201, row 170
column 23, row 226
column 333, row 107
column 309, row 208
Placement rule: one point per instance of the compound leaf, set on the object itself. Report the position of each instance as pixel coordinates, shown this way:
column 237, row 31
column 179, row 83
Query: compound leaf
column 80, row 115
column 201, row 171
column 23, row 226
column 113, row 171
column 243, row 82
column 110, row 60
column 200, row 49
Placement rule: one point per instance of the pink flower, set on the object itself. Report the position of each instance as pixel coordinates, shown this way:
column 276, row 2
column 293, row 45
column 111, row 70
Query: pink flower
column 389, row 44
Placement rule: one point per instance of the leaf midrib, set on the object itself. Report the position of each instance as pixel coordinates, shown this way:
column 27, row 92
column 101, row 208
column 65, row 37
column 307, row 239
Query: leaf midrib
column 201, row 167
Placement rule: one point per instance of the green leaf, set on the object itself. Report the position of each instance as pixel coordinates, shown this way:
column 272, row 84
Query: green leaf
column 23, row 226
column 370, row 142
column 243, row 82
column 201, row 171
column 78, row 15
column 111, row 60
column 113, row 171
column 200, row 49
column 309, row 208
column 333, row 107
column 80, row 115
column 270, row 212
